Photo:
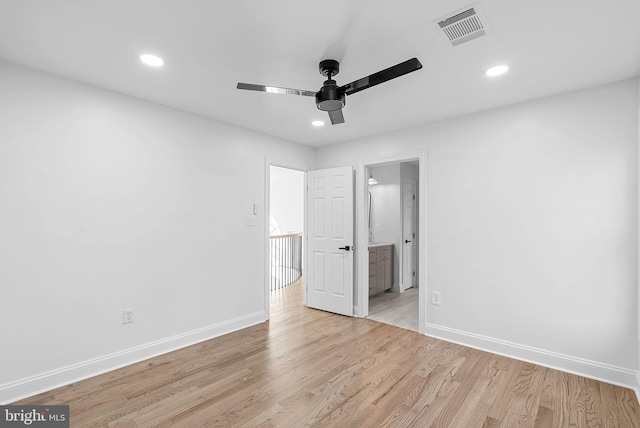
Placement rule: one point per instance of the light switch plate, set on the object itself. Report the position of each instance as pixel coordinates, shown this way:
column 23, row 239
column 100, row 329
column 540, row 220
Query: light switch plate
column 436, row 298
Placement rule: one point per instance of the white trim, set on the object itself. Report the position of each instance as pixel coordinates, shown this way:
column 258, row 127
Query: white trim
column 361, row 268
column 47, row 381
column 305, row 237
column 637, row 386
column 422, row 242
column 267, row 228
column 579, row 366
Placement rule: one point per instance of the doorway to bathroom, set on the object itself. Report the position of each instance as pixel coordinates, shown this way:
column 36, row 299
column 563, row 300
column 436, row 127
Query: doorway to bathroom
column 393, row 243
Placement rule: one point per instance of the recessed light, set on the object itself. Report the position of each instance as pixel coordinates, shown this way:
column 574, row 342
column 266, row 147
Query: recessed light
column 152, row 60
column 497, row 70
column 317, row 123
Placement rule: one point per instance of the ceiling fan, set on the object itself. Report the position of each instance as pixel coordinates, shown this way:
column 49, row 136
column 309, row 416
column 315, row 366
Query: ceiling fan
column 331, row 97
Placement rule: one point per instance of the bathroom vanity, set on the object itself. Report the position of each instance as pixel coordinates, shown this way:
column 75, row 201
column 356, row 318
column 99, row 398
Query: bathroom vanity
column 380, row 267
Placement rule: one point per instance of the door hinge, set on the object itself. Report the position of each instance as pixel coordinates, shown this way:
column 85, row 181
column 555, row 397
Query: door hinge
column 414, row 235
column 414, row 197
column 414, row 273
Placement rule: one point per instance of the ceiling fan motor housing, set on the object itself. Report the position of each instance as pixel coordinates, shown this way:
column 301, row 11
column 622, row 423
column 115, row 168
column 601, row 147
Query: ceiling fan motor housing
column 330, row 97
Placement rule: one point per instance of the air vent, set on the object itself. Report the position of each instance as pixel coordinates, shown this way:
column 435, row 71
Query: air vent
column 463, row 26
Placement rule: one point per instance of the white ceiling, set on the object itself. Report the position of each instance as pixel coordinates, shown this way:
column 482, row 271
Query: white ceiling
column 551, row 46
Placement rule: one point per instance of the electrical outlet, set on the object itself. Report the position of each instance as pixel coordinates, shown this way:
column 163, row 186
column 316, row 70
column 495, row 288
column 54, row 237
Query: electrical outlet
column 127, row 316
column 435, row 298
column 251, row 220
column 377, row 228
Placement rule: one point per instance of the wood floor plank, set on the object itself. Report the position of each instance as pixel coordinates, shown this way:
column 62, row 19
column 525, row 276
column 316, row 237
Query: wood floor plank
column 544, row 418
column 311, row 368
column 524, row 403
column 463, row 399
column 627, row 408
column 505, row 391
column 592, row 404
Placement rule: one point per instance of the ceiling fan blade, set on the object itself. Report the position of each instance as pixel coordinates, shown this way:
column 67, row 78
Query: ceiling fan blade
column 336, row 117
column 382, row 76
column 275, row 90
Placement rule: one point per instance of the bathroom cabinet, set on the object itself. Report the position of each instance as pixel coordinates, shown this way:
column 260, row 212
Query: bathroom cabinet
column 380, row 268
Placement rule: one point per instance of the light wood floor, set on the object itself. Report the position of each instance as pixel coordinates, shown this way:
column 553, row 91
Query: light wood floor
column 399, row 309
column 311, row 368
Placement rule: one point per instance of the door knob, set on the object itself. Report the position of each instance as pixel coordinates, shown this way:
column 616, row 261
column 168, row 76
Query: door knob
column 406, row 241
column 346, row 247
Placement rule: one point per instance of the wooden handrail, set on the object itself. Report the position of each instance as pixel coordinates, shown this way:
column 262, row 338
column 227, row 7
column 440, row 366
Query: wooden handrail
column 289, row 235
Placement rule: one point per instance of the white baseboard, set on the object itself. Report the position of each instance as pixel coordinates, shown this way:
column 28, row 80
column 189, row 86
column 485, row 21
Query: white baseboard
column 43, row 382
column 591, row 369
column 637, row 388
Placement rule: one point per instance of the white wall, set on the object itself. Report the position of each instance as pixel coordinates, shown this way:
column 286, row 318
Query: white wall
column 287, row 198
column 107, row 203
column 532, row 226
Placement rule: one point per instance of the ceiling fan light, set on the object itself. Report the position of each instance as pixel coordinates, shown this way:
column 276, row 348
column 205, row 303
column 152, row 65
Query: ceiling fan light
column 372, row 181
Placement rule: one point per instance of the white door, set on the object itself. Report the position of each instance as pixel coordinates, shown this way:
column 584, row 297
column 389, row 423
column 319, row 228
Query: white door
column 329, row 276
column 408, row 233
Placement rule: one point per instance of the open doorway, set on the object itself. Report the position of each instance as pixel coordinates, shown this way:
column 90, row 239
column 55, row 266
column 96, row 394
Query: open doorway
column 392, row 211
column 286, row 226
column 393, row 285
